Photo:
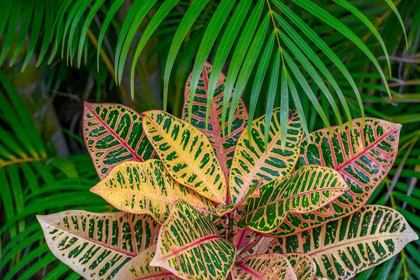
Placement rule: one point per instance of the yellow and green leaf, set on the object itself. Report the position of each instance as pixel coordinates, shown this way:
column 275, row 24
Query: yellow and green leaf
column 147, row 188
column 347, row 246
column 223, row 144
column 304, row 191
column 263, row 267
column 113, row 134
column 254, row 160
column 303, row 265
column 253, row 191
column 186, row 153
column 139, row 268
column 362, row 158
column 97, row 245
column 190, row 247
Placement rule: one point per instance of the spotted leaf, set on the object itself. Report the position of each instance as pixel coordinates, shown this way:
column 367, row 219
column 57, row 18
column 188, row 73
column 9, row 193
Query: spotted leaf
column 222, row 143
column 139, row 268
column 186, row 153
column 189, row 246
column 363, row 158
column 254, row 160
column 263, row 267
column 113, row 134
column 303, row 265
column 97, row 245
column 347, row 246
column 306, row 190
column 147, row 188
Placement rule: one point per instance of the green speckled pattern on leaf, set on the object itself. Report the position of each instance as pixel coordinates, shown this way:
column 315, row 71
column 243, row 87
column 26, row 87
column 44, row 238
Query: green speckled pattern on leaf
column 113, row 134
column 345, row 247
column 97, row 245
column 363, row 158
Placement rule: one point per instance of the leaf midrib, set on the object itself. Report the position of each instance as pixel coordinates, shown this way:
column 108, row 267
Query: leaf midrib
column 191, row 245
column 110, row 130
column 132, row 255
column 181, row 154
column 393, row 236
column 262, row 159
column 365, row 149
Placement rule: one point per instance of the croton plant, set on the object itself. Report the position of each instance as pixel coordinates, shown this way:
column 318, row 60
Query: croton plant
column 198, row 203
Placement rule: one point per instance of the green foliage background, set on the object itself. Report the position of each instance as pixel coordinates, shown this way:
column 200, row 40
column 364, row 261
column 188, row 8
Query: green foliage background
column 47, row 72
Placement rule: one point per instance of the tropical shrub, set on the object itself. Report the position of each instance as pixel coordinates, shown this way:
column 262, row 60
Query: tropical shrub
column 199, row 202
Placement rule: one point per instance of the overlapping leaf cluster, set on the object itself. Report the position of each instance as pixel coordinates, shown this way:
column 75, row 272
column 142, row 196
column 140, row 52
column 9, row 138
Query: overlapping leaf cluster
column 200, row 203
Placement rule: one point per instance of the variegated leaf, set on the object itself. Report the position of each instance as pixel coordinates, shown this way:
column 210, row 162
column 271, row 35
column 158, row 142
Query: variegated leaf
column 147, row 188
column 186, row 153
column 222, row 143
column 139, row 268
column 189, row 246
column 347, row 246
column 245, row 238
column 253, row 191
column 303, row 265
column 113, row 134
column 306, row 190
column 97, row 245
column 254, row 161
column 363, row 158
column 258, row 248
column 263, row 267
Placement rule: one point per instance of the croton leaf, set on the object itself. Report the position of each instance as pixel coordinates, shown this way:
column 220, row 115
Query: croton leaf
column 113, row 134
column 263, row 267
column 303, row 265
column 306, row 190
column 139, row 268
column 245, row 238
column 222, row 143
column 347, row 246
column 186, row 153
column 260, row 247
column 254, row 161
column 147, row 188
column 98, row 245
column 363, row 158
column 189, row 246
column 253, row 191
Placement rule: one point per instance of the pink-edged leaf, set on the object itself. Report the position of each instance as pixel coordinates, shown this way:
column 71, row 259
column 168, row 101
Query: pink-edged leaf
column 345, row 247
column 139, row 268
column 257, row 248
column 263, row 267
column 223, row 144
column 245, row 239
column 113, row 134
column 254, row 160
column 304, row 191
column 303, row 265
column 190, row 247
column 97, row 245
column 253, row 192
column 147, row 188
column 362, row 158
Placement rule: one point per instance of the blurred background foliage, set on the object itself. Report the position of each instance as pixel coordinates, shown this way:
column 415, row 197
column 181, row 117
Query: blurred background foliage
column 46, row 75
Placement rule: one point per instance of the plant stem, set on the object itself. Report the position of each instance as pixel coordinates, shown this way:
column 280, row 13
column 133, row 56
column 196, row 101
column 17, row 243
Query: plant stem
column 230, row 231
